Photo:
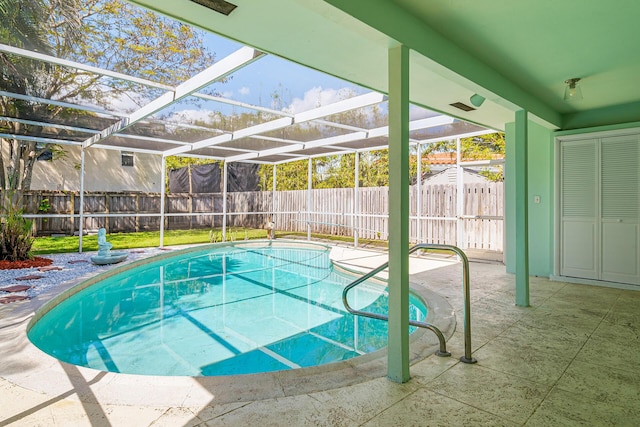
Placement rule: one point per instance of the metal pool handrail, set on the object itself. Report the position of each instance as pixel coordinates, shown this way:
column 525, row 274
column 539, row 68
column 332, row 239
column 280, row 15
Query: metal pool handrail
column 467, row 304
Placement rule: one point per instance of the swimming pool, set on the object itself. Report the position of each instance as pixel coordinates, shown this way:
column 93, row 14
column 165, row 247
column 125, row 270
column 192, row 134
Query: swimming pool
column 219, row 310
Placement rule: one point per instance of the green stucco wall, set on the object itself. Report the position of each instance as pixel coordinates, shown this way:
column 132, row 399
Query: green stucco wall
column 541, row 183
column 541, row 172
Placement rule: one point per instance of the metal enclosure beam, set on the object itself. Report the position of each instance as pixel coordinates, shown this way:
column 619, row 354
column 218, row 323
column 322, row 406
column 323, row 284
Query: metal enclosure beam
column 273, row 196
column 355, row 218
column 419, row 194
column 163, row 193
column 225, row 170
column 81, row 209
column 459, row 197
column 224, row 67
column 356, row 102
column 309, row 188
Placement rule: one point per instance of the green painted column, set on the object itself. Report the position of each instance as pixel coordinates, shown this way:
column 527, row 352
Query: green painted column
column 398, row 354
column 522, row 208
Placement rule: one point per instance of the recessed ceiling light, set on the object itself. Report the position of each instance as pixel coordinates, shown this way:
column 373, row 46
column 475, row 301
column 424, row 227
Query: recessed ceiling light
column 220, row 6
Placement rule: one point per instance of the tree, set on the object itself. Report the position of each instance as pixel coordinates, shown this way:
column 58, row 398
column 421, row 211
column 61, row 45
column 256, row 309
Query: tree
column 289, row 176
column 338, row 171
column 21, row 22
column 105, row 33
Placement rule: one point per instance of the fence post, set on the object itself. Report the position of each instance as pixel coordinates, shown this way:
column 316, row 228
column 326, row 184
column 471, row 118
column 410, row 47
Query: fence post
column 309, row 187
column 107, row 202
column 137, row 212
column 190, row 209
column 72, row 212
column 213, row 209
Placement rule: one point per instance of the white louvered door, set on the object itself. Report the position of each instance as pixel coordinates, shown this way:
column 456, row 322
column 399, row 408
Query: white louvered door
column 600, row 209
column 579, row 209
column 619, row 208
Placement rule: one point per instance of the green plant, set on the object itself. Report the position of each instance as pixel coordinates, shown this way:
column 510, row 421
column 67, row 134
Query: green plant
column 44, row 207
column 16, row 237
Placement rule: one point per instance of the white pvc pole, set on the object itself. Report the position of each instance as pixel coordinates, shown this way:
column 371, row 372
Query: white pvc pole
column 419, row 195
column 460, row 197
column 309, row 186
column 224, row 203
column 163, row 193
column 355, row 219
column 81, row 210
column 273, row 197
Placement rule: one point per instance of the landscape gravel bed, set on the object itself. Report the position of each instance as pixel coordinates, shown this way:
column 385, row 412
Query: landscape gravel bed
column 72, row 266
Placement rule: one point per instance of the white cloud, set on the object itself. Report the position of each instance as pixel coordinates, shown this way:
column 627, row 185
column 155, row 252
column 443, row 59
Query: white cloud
column 227, row 94
column 128, row 102
column 105, row 98
column 317, row 97
column 244, row 91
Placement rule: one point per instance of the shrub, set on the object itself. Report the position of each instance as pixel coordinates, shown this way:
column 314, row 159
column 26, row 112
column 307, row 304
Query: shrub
column 16, row 237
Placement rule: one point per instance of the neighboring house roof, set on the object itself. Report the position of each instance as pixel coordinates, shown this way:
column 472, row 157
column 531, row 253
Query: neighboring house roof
column 448, row 176
column 449, row 158
column 441, row 158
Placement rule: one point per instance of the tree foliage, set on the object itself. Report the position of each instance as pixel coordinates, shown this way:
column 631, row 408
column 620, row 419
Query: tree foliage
column 338, row 171
column 109, row 34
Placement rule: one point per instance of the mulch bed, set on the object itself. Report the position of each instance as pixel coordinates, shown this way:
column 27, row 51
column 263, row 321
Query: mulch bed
column 35, row 262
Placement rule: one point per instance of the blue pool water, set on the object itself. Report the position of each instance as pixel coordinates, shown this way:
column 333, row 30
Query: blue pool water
column 239, row 309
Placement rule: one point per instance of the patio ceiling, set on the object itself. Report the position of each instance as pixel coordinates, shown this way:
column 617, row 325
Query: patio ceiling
column 515, row 54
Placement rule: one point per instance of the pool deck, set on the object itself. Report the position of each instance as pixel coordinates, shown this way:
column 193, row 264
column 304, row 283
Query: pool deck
column 569, row 359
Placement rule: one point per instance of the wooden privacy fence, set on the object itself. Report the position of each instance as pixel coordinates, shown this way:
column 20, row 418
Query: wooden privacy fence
column 332, row 212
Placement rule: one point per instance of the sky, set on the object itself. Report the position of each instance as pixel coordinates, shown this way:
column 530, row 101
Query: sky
column 298, row 87
column 256, row 82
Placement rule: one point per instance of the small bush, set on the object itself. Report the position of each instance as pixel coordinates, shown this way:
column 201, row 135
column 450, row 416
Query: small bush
column 16, row 237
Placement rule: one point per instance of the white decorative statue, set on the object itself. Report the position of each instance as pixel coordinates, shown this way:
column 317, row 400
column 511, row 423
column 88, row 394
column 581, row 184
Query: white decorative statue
column 103, row 245
column 105, row 256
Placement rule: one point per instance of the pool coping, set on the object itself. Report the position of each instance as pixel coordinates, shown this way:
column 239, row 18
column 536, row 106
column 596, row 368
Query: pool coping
column 27, row 366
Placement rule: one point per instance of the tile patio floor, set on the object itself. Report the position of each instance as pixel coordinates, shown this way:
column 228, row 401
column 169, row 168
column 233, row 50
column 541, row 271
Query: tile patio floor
column 572, row 358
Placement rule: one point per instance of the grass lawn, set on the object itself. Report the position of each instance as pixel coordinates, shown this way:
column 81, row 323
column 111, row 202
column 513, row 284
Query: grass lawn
column 145, row 239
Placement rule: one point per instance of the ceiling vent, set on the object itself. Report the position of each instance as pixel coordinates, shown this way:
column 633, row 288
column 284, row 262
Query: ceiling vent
column 461, row 106
column 219, row 6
